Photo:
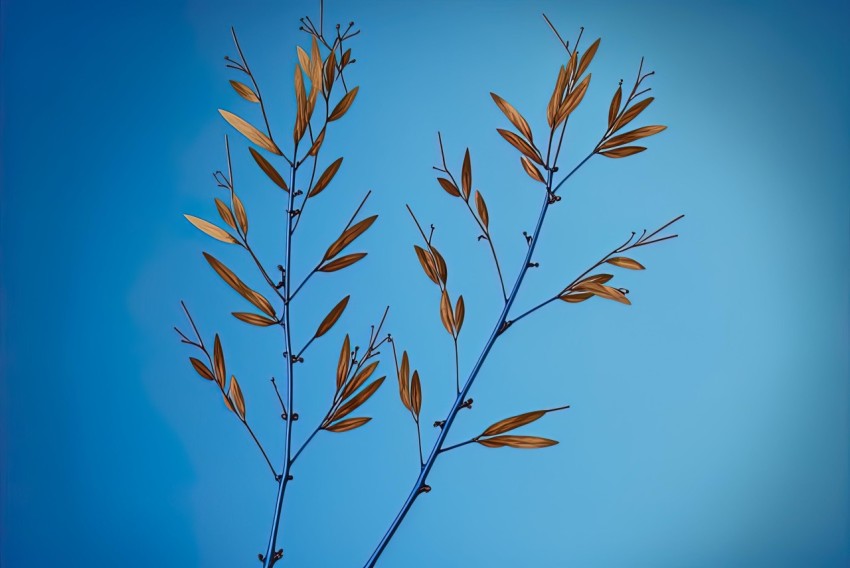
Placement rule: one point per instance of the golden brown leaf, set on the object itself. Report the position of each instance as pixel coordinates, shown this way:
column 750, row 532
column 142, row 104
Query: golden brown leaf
column 317, row 143
column 254, row 319
column 343, row 105
column 466, row 175
column 244, row 91
column 201, row 369
column 234, row 282
column 325, row 178
column 228, row 404
column 603, row 291
column 234, row 393
column 521, row 145
column 575, row 298
column 300, row 105
column 427, row 263
column 269, row 169
column 460, row 313
column 625, row 262
column 344, row 364
column 514, row 116
column 241, row 216
column 446, row 313
column 359, row 379
column 342, row 262
column 599, row 278
column 523, row 442
column 346, row 57
column 224, row 213
column 632, row 113
column 623, row 151
column 404, row 381
column 332, row 317
column 450, row 188
column 481, row 205
column 315, row 64
column 250, row 132
column 347, row 424
column 348, row 237
column 531, row 169
column 614, row 109
column 330, row 73
column 416, row 394
column 513, row 423
column 557, row 96
column 632, row 135
column 218, row 361
column 357, row 400
column 571, row 68
column 587, row 57
column 572, row 100
column 440, row 264
column 211, row 230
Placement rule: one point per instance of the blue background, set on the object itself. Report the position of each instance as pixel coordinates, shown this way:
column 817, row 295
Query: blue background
column 709, row 421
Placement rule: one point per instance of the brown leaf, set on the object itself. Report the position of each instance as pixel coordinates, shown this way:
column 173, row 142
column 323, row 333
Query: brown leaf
column 513, row 423
column 211, row 230
column 218, row 361
column 575, row 298
column 301, row 106
column 234, row 282
column 571, row 68
column 514, row 116
column 603, row 291
column 347, row 424
column 201, row 369
column 427, row 263
column 325, row 178
column 224, row 213
column 343, row 105
column 342, row 262
column 234, row 393
column 440, row 263
column 587, row 57
column 330, row 73
column 250, row 132
column 228, row 404
column 254, row 319
column 460, row 312
column 632, row 113
column 416, row 394
column 466, row 175
column 450, row 188
column 481, row 205
column 359, row 379
column 357, row 400
column 269, row 169
column 244, row 91
column 521, row 145
column 332, row 317
column 241, row 216
column 303, row 58
column 572, row 100
column 346, row 57
column 315, row 64
column 557, row 96
column 531, row 169
column 348, row 237
column 623, row 151
column 625, row 262
column 344, row 364
column 404, row 381
column 317, row 143
column 523, row 442
column 446, row 313
column 614, row 109
column 599, row 278
column 632, row 135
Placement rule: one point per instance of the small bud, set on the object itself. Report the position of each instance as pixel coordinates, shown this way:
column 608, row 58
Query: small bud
column 294, row 416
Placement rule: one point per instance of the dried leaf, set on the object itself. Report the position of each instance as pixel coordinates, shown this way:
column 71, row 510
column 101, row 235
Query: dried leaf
column 241, row 216
column 625, row 262
column 603, row 291
column 531, row 169
column 359, row 379
column 623, row 151
column 234, row 282
column 599, row 278
column 244, row 91
column 301, row 106
column 218, row 361
column 632, row 135
column 234, row 393
column 416, row 394
column 269, row 169
column 347, row 424
column 315, row 65
column 571, row 67
column 228, row 404
column 446, row 313
column 587, row 57
column 632, row 113
column 521, row 145
column 557, row 96
column 330, row 73
column 332, row 317
column 514, row 116
column 250, row 132
column 614, row 109
column 342, row 262
column 440, row 263
column 224, row 213
column 317, row 144
column 211, row 230
column 344, row 364
column 460, row 312
column 427, row 263
column 572, row 100
column 575, row 298
column 466, row 175
column 343, row 105
column 325, row 178
column 348, row 237
column 346, row 57
column 481, row 205
column 523, row 442
column 514, row 422
column 359, row 399
column 201, row 369
column 450, row 188
column 254, row 319
column 404, row 381
column 303, row 59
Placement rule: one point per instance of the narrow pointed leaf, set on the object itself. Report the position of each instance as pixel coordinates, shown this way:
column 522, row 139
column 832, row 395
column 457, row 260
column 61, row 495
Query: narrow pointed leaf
column 632, row 113
column 572, row 101
column 576, row 298
column 202, row 369
column 632, row 135
column 466, row 175
column 244, row 91
column 234, row 393
column 343, row 105
column 211, row 230
column 450, row 188
column 483, row 214
column 342, row 262
column 427, row 263
column 514, row 116
column 625, row 262
column 344, row 363
column 404, row 381
column 531, row 169
column 347, row 424
column 269, row 170
column 614, row 109
column 623, row 151
column 524, row 147
column 415, row 394
column 250, row 132
column 254, row 319
column 587, row 57
column 218, row 361
column 234, row 282
column 440, row 264
column 348, row 237
column 446, row 313
column 460, row 313
column 325, row 178
column 241, row 216
column 332, row 317
column 358, row 399
column 358, row 380
column 523, row 442
column 513, row 423
column 224, row 213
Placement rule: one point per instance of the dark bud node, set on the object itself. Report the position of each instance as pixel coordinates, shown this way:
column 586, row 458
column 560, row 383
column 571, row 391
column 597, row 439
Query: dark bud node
column 439, row 423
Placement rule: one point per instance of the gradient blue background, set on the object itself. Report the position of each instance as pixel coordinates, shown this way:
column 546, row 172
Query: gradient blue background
column 710, row 420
